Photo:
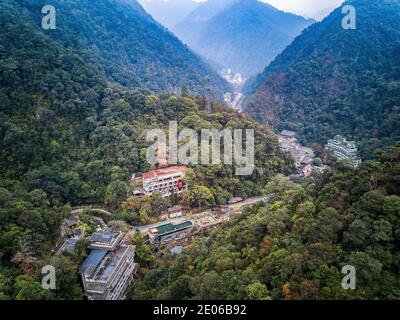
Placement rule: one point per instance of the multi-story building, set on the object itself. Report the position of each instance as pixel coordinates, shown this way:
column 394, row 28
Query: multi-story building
column 303, row 156
column 106, row 240
column 306, row 167
column 166, row 180
column 288, row 135
column 110, row 267
column 171, row 232
column 344, row 150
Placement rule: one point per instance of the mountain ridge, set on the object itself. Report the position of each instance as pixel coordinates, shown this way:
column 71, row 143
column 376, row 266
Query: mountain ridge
column 125, row 43
column 243, row 35
column 333, row 81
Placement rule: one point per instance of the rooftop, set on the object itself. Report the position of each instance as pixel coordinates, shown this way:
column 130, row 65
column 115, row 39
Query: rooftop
column 103, row 236
column 306, row 160
column 342, row 140
column 288, row 133
column 170, row 228
column 68, row 246
column 175, row 209
column 112, row 261
column 92, row 261
column 164, row 172
column 72, row 221
column 177, row 250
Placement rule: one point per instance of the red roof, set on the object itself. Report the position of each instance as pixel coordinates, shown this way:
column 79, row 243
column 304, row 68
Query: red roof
column 164, row 172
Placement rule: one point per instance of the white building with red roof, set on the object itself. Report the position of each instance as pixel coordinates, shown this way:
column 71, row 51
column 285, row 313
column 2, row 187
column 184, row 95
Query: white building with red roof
column 165, row 180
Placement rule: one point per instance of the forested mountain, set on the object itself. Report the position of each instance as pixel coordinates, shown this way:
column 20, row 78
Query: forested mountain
column 334, row 81
column 122, row 41
column 170, row 12
column 243, row 35
column 73, row 123
column 69, row 137
column 295, row 246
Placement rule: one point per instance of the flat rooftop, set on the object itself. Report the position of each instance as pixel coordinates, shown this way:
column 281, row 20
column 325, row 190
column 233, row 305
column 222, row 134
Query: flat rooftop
column 92, row 261
column 100, row 264
column 112, row 261
column 164, row 172
column 104, row 238
column 171, row 228
column 288, row 133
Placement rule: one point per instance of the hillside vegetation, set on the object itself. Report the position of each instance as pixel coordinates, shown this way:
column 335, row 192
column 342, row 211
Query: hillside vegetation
column 70, row 137
column 334, row 81
column 295, row 246
column 243, row 35
column 122, row 41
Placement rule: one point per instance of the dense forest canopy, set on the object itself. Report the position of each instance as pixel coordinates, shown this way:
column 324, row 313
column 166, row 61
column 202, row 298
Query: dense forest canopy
column 295, row 246
column 121, row 40
column 335, row 81
column 69, row 137
column 73, row 131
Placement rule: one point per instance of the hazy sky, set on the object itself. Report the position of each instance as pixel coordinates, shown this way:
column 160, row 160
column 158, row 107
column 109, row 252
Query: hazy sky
column 304, row 7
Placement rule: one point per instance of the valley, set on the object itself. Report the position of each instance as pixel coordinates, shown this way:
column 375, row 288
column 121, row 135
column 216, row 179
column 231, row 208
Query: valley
column 101, row 177
column 235, row 98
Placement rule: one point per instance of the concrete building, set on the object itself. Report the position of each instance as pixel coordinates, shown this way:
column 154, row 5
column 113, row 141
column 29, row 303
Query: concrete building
column 68, row 225
column 110, row 267
column 166, row 180
column 171, row 232
column 344, row 150
column 175, row 212
column 106, row 240
column 68, row 246
column 172, row 213
column 306, row 166
column 303, row 156
column 288, row 135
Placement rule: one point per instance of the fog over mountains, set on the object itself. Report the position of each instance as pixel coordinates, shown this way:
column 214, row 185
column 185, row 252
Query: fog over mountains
column 170, row 12
column 243, row 35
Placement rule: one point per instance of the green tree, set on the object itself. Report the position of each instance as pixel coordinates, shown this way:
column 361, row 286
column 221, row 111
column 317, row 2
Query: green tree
column 201, row 196
column 143, row 251
column 257, row 291
column 116, row 193
column 26, row 288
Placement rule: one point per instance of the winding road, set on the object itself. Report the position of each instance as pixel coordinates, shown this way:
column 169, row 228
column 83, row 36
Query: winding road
column 78, row 210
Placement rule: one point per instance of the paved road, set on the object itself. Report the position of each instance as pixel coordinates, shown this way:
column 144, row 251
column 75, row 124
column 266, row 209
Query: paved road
column 235, row 104
column 82, row 209
column 248, row 202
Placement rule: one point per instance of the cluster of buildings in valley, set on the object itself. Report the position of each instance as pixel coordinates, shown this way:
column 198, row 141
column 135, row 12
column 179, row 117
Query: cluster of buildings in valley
column 304, row 156
column 180, row 226
column 167, row 181
column 110, row 266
